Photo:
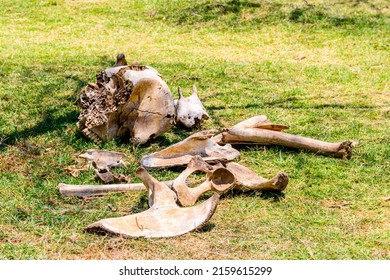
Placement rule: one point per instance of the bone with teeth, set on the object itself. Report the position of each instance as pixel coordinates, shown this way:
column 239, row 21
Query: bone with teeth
column 163, row 219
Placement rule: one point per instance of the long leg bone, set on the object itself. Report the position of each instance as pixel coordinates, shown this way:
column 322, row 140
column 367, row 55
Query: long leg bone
column 181, row 153
column 218, row 180
column 252, row 132
column 93, row 190
column 163, row 219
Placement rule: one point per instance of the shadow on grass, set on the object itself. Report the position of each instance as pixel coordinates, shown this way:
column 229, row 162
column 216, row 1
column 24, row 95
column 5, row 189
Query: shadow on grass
column 273, row 196
column 230, row 12
column 46, row 82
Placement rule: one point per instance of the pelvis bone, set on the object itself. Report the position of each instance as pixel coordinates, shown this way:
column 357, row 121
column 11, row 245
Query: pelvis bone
column 218, row 180
column 181, row 153
column 126, row 101
column 163, row 219
column 189, row 110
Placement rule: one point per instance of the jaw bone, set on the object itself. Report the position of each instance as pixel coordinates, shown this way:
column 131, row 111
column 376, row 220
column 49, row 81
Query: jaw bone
column 181, row 153
column 190, row 111
column 163, row 219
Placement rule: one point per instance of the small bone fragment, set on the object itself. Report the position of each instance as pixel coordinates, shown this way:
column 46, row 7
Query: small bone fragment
column 190, row 111
column 100, row 159
column 246, row 179
column 218, row 180
column 248, row 132
column 163, row 219
column 102, row 162
column 181, row 153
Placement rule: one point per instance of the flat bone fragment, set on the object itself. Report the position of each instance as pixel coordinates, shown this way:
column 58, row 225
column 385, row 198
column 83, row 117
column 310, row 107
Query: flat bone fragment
column 246, row 179
column 218, row 180
column 163, row 219
column 189, row 110
column 102, row 162
column 248, row 132
column 181, row 153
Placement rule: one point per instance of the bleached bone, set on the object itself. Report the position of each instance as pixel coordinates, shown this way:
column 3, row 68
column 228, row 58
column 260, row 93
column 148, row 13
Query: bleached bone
column 253, row 132
column 218, row 180
column 148, row 113
column 181, row 153
column 246, row 179
column 126, row 101
column 190, row 111
column 103, row 161
column 93, row 190
column 163, row 219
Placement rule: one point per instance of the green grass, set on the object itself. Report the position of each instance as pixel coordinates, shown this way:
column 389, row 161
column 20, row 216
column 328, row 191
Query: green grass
column 322, row 69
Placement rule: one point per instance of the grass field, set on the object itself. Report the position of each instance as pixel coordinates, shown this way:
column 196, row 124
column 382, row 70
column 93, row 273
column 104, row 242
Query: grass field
column 320, row 67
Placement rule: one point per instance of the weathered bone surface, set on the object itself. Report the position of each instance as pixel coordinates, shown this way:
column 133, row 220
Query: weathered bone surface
column 246, row 179
column 218, row 180
column 102, row 162
column 101, row 159
column 189, row 110
column 93, row 190
column 254, row 132
column 163, row 219
column 181, row 153
column 123, row 100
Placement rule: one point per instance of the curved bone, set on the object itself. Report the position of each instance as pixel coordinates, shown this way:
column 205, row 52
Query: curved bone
column 246, row 179
column 248, row 132
column 164, row 219
column 181, row 153
column 148, row 113
column 190, row 111
column 218, row 180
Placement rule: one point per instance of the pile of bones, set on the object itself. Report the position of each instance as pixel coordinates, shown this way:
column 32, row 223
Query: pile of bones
column 133, row 101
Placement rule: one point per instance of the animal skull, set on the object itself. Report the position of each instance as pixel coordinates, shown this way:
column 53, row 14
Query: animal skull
column 126, row 101
column 190, row 111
